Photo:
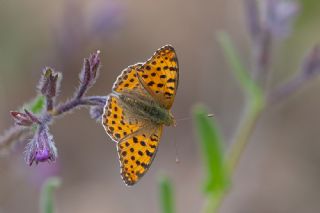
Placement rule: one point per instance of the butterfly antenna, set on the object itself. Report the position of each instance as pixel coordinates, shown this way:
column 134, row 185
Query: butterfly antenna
column 175, row 141
column 188, row 118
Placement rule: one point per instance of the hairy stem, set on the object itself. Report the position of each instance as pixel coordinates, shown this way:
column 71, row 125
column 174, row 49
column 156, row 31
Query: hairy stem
column 49, row 103
column 74, row 103
column 82, row 90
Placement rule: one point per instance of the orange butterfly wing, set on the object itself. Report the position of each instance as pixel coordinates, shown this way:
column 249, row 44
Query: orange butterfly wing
column 136, row 154
column 127, row 80
column 159, row 75
column 116, row 120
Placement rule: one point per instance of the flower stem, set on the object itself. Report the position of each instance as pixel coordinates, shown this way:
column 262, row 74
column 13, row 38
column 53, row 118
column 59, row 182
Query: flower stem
column 247, row 125
column 49, row 103
column 74, row 103
column 213, row 202
column 242, row 137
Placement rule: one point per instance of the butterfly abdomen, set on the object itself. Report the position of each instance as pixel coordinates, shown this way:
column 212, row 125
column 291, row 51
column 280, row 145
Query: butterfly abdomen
column 146, row 109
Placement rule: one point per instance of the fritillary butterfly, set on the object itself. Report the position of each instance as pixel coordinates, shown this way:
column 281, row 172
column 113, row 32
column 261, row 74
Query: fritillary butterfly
column 138, row 108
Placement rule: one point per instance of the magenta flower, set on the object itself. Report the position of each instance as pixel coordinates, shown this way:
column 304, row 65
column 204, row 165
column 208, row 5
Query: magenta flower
column 41, row 148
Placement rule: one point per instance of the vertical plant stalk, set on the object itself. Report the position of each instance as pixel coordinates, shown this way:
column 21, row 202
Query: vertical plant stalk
column 261, row 59
column 213, row 203
column 238, row 146
column 277, row 22
column 242, row 137
column 254, row 108
column 255, row 102
column 49, row 104
column 247, row 125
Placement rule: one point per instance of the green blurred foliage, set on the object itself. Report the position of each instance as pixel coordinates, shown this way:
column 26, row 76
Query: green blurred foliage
column 166, row 195
column 47, row 194
column 38, row 104
column 35, row 106
column 212, row 152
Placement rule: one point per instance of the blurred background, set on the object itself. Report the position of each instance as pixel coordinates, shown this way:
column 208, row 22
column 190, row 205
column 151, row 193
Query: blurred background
column 279, row 171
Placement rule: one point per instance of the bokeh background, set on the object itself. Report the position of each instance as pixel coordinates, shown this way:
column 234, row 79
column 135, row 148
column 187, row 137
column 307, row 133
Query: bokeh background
column 279, row 172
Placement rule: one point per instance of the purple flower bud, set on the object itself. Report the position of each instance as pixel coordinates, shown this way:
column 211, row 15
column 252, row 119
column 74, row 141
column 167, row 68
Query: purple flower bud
column 90, row 69
column 21, row 119
column 24, row 119
column 41, row 148
column 49, row 84
column 280, row 15
column 89, row 73
column 94, row 60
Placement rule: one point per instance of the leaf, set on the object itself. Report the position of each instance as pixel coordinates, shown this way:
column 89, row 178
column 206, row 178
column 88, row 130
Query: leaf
column 36, row 105
column 166, row 195
column 46, row 199
column 211, row 147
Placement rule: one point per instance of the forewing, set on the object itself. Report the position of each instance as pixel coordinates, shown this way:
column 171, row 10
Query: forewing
column 117, row 121
column 136, row 154
column 160, row 75
column 127, row 80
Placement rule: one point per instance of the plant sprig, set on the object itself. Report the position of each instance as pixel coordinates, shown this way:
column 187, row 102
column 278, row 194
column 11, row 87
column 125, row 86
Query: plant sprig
column 34, row 119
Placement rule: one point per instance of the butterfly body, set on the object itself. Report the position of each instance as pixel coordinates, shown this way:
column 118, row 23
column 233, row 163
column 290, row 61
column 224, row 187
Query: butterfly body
column 147, row 109
column 138, row 108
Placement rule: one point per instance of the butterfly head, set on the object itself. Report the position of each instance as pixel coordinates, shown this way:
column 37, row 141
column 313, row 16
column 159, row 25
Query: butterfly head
column 170, row 120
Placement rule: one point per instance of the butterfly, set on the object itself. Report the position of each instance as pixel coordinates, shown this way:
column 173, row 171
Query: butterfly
column 138, row 108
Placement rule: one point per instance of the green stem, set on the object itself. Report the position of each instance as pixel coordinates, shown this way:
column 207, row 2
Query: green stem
column 46, row 199
column 245, row 129
column 255, row 106
column 213, row 202
column 209, row 205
